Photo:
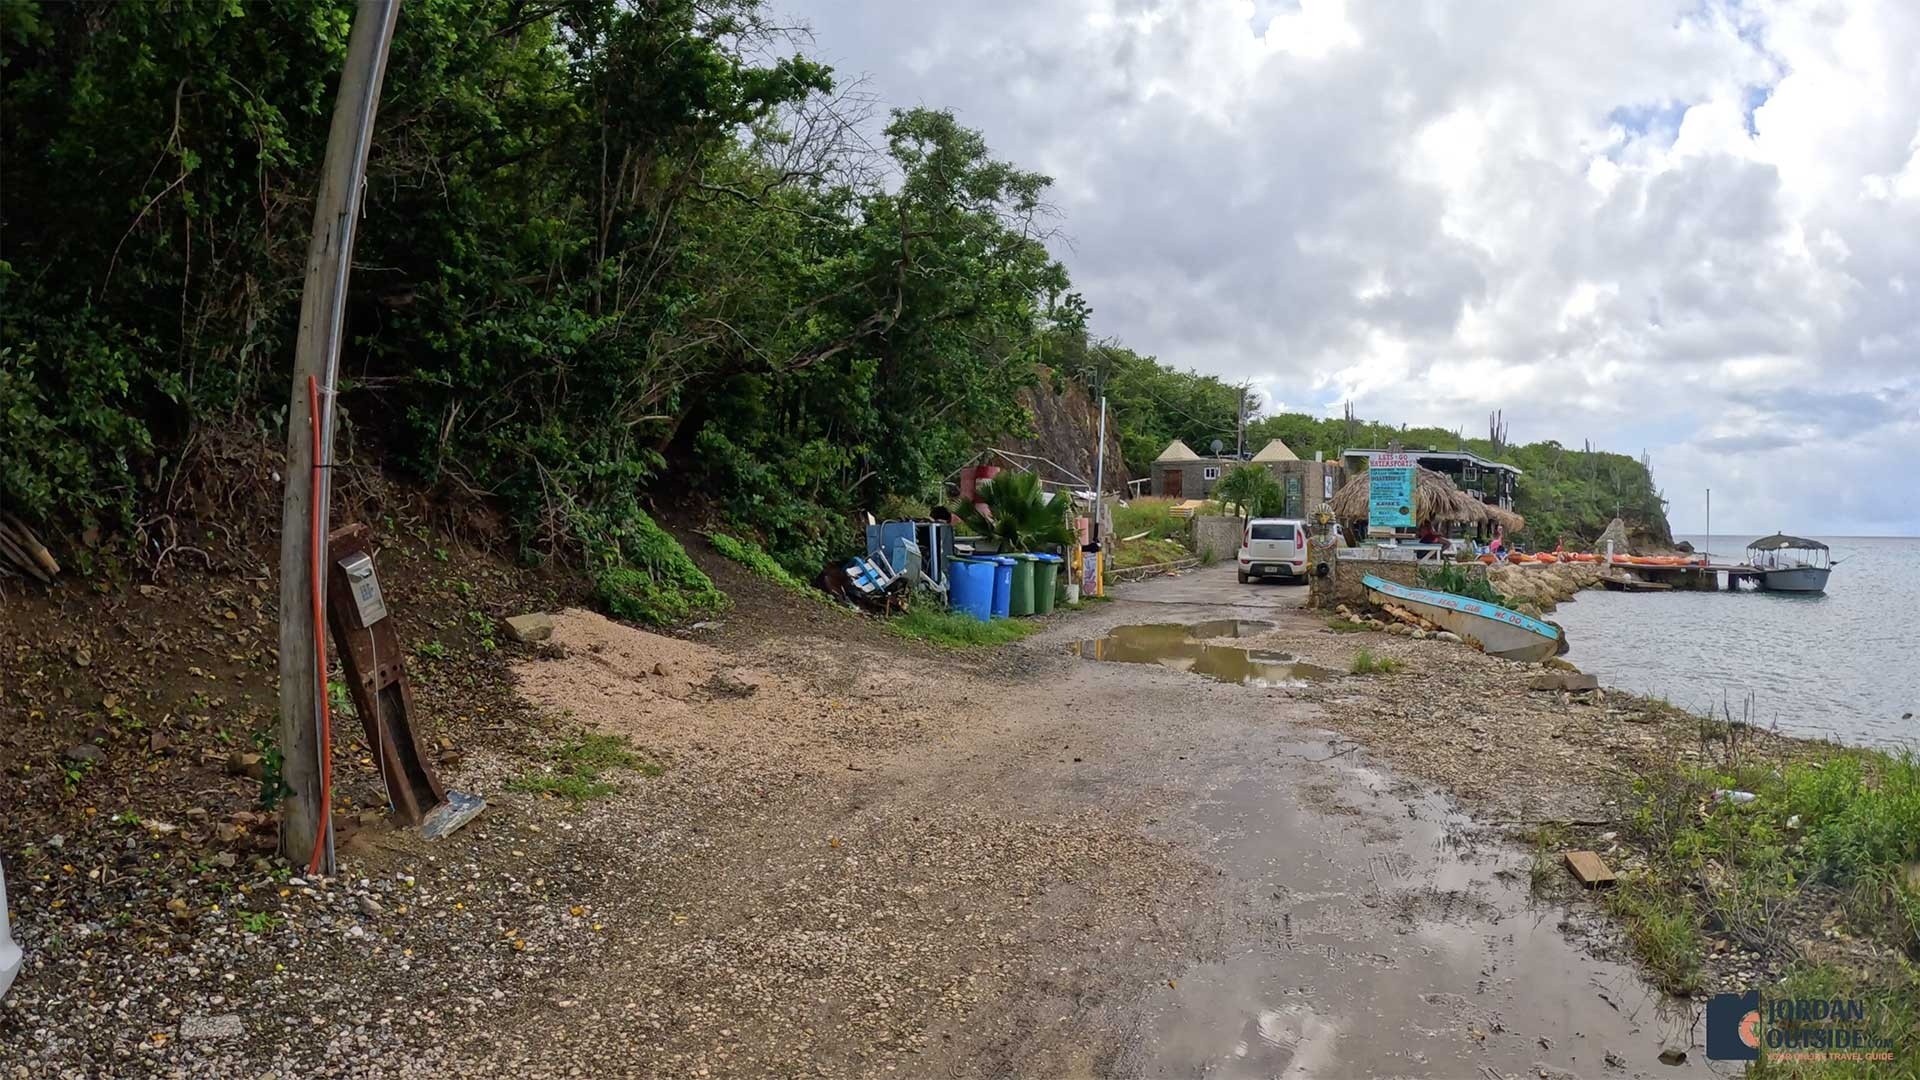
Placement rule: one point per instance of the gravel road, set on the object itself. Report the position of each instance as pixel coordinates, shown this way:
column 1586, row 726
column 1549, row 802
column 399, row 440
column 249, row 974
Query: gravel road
column 866, row 861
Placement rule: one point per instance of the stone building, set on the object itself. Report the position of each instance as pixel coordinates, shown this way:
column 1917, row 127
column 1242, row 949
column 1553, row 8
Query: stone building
column 1179, row 473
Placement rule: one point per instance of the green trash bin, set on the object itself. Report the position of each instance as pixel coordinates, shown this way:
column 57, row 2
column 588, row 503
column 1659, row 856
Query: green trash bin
column 1046, row 573
column 1022, row 601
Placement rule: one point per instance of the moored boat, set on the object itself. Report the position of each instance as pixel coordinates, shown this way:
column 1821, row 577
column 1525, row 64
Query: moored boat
column 1790, row 563
column 1500, row 631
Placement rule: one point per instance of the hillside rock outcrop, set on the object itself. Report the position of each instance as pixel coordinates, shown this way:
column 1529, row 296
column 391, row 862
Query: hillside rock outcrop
column 1066, row 426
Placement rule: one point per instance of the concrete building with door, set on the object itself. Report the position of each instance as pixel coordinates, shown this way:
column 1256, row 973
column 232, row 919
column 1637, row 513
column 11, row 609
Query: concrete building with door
column 1179, row 473
column 1307, row 484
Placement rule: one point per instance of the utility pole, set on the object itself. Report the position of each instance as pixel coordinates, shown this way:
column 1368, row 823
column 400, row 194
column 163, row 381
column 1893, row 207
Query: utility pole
column 1240, row 423
column 316, row 361
column 1100, row 471
column 1709, row 551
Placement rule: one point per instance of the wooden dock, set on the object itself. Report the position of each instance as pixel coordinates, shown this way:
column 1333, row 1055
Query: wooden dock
column 1680, row 578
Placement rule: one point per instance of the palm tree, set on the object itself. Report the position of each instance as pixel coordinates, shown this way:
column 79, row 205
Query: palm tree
column 1018, row 515
column 1254, row 490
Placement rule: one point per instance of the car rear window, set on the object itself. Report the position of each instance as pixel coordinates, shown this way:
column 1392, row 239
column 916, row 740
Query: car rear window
column 1273, row 532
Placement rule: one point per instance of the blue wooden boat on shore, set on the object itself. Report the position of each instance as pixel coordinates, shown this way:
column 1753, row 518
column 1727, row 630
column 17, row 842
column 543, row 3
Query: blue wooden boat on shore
column 1498, row 631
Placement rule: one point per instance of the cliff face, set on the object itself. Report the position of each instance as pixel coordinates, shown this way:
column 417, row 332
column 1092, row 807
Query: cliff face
column 1066, row 427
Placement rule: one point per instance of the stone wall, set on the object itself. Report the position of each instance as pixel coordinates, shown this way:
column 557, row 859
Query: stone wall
column 1141, row 573
column 1342, row 585
column 1219, row 532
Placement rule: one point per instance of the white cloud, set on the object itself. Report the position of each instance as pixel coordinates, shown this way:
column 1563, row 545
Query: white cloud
column 1684, row 227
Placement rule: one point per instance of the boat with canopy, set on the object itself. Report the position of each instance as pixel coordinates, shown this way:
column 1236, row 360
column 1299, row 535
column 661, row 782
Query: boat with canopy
column 1790, row 563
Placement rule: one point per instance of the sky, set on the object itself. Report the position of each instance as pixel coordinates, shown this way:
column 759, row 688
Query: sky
column 1690, row 229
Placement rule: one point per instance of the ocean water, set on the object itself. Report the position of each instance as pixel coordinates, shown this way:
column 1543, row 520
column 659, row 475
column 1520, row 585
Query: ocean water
column 1843, row 665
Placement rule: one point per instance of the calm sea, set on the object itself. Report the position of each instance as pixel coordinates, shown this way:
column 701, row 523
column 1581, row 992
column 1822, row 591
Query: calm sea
column 1840, row 665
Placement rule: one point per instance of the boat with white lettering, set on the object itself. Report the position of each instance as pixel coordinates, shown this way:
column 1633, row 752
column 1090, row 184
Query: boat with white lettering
column 1499, row 631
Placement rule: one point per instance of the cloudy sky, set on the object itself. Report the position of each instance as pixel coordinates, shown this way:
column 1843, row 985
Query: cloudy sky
column 1686, row 228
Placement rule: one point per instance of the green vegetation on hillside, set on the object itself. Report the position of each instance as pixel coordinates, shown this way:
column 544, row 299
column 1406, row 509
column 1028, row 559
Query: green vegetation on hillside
column 608, row 252
column 754, row 558
column 605, row 247
column 1563, row 493
column 1570, row 493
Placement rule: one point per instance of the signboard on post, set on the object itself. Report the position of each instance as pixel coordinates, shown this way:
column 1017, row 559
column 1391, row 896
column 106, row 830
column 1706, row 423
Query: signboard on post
column 1390, row 491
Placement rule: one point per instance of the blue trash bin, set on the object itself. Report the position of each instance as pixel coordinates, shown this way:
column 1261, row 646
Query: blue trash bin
column 1002, row 586
column 970, row 589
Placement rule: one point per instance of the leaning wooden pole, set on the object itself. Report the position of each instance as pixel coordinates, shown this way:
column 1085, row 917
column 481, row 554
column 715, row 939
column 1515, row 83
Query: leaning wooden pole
column 316, row 361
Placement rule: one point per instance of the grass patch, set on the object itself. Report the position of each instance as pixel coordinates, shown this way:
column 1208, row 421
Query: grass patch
column 572, row 786
column 1148, row 552
column 574, row 768
column 755, row 558
column 1346, row 626
column 1845, row 821
column 1152, row 515
column 1825, row 852
column 1664, row 930
column 1366, row 662
column 1891, row 1012
column 1547, row 840
column 957, row 631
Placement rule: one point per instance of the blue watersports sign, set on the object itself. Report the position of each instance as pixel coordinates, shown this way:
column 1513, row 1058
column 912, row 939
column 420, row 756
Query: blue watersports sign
column 1390, row 491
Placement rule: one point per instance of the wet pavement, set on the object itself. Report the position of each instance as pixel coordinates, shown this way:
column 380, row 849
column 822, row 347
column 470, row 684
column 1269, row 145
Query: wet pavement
column 1345, row 923
column 1058, row 867
column 1188, row 647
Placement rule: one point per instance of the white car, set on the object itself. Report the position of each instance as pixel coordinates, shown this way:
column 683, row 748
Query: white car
column 1274, row 547
column 9, row 952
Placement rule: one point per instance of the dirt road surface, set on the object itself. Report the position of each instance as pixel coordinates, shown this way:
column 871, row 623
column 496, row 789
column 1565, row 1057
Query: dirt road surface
column 868, row 860
column 1110, row 869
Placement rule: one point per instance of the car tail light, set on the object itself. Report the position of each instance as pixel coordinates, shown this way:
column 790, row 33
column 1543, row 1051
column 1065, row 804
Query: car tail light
column 1299, row 538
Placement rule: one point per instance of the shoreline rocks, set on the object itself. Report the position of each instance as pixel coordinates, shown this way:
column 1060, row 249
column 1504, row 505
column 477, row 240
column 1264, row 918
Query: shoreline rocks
column 1544, row 586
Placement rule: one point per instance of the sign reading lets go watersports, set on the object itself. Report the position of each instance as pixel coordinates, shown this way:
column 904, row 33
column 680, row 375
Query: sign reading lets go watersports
column 1390, row 491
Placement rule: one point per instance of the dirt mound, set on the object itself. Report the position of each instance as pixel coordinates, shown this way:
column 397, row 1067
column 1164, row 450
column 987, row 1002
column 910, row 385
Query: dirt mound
column 767, row 710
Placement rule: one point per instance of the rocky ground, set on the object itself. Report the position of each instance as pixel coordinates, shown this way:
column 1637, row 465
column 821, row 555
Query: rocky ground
column 822, row 853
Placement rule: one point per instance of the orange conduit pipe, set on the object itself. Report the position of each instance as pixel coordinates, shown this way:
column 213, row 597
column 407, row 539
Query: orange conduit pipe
column 319, row 639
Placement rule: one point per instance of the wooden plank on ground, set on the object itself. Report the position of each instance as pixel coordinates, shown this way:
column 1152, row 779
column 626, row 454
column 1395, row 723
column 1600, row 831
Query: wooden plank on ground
column 1588, row 869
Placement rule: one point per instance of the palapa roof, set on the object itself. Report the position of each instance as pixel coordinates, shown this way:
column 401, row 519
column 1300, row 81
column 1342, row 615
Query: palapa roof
column 1177, row 451
column 1782, row 540
column 1435, row 499
column 1276, row 451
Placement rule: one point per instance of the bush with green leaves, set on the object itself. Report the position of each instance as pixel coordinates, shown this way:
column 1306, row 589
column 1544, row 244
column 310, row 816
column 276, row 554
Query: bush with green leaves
column 1019, row 516
column 1460, row 581
column 754, row 558
column 1253, row 491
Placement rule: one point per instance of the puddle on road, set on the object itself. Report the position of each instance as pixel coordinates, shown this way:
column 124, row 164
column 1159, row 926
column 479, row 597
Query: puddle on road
column 1419, row 951
column 1187, row 647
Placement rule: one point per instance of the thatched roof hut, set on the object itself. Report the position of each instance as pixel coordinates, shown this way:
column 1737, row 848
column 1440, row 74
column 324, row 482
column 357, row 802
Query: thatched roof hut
column 1435, row 500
